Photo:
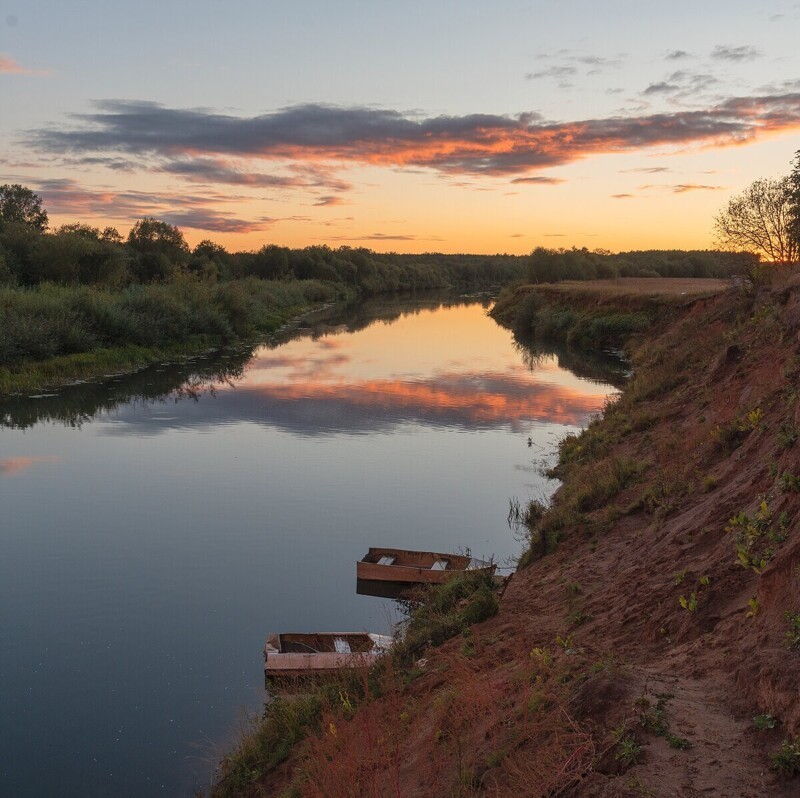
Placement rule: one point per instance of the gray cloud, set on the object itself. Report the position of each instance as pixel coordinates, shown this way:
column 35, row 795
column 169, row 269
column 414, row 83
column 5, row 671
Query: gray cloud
column 472, row 144
column 558, row 72
column 741, row 53
column 68, row 197
column 677, row 55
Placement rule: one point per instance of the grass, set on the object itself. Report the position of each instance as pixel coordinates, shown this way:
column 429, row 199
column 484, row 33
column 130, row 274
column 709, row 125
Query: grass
column 787, row 759
column 52, row 334
column 438, row 613
column 323, row 713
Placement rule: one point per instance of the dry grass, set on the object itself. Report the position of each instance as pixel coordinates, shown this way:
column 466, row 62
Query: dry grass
column 642, row 286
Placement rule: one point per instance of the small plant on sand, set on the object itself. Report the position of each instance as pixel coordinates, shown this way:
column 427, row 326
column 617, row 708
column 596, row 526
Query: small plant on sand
column 679, row 743
column 709, row 483
column 754, row 606
column 566, row 642
column 753, row 420
column 689, row 604
column 754, row 536
column 787, row 760
column 790, row 483
column 655, row 720
column 764, row 722
column 787, row 434
column 680, row 576
column 628, row 750
column 792, row 636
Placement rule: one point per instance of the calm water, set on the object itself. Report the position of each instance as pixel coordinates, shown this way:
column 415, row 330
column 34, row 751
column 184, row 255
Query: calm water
column 156, row 527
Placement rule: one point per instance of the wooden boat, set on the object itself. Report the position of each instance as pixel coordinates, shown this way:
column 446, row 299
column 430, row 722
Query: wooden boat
column 306, row 654
column 391, row 572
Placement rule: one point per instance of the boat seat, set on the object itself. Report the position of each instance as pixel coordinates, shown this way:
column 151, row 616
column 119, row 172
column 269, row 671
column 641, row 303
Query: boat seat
column 439, row 565
column 341, row 645
column 387, row 559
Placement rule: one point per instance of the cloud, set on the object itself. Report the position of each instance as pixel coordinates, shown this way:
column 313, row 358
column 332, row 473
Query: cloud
column 741, row 53
column 682, row 188
column 539, row 180
column 330, row 200
column 325, row 136
column 64, row 196
column 217, row 170
column 558, row 72
column 8, row 66
column 622, row 196
column 682, row 82
column 662, row 87
column 383, row 237
column 648, row 170
column 677, row 55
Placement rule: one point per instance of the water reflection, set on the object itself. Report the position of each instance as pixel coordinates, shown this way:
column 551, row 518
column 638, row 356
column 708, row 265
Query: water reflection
column 157, row 525
column 305, row 385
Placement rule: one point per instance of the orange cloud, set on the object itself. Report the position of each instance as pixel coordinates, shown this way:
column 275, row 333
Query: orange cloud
column 11, row 466
column 474, row 143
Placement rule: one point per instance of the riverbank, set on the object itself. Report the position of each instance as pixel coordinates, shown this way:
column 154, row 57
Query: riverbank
column 54, row 335
column 650, row 645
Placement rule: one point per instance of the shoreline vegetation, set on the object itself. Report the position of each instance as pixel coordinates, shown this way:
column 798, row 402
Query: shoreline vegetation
column 77, row 302
column 651, row 628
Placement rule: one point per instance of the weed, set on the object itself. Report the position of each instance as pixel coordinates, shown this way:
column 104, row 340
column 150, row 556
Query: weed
column 654, row 720
column 764, row 722
column 754, row 606
column 566, row 642
column 705, row 581
column 578, row 617
column 754, row 419
column 689, row 604
column 680, row 576
column 787, row 760
column 790, row 483
column 792, row 636
column 441, row 612
column 751, row 534
column 628, row 751
column 787, row 434
column 680, row 743
column 729, row 436
column 709, row 483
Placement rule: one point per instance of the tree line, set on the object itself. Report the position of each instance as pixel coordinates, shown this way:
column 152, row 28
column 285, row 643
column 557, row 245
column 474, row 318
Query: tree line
column 156, row 252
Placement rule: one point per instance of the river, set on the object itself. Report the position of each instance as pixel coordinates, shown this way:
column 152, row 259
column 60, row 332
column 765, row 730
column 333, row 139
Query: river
column 156, row 527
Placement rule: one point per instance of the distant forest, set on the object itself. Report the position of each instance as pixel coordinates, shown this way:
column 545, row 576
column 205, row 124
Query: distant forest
column 78, row 289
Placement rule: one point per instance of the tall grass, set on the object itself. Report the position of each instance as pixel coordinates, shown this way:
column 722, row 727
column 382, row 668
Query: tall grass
column 49, row 321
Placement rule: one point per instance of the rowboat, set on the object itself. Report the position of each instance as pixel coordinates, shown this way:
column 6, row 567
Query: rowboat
column 391, row 572
column 298, row 654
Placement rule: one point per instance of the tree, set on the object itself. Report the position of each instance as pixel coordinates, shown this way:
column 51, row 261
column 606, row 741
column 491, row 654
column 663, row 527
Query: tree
column 160, row 249
column 794, row 201
column 19, row 204
column 759, row 220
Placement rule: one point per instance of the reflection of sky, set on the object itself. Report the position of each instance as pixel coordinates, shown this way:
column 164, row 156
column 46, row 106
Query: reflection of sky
column 448, row 367
column 141, row 572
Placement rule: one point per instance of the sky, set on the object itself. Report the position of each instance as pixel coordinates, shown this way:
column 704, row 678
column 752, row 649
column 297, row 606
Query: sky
column 406, row 126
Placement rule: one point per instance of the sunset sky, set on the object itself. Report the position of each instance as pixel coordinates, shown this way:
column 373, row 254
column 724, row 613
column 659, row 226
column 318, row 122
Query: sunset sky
column 407, row 126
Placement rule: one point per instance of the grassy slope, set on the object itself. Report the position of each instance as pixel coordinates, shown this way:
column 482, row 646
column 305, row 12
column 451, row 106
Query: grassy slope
column 594, row 678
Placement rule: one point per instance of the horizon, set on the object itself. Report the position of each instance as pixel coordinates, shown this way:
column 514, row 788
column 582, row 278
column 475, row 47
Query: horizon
column 403, row 129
